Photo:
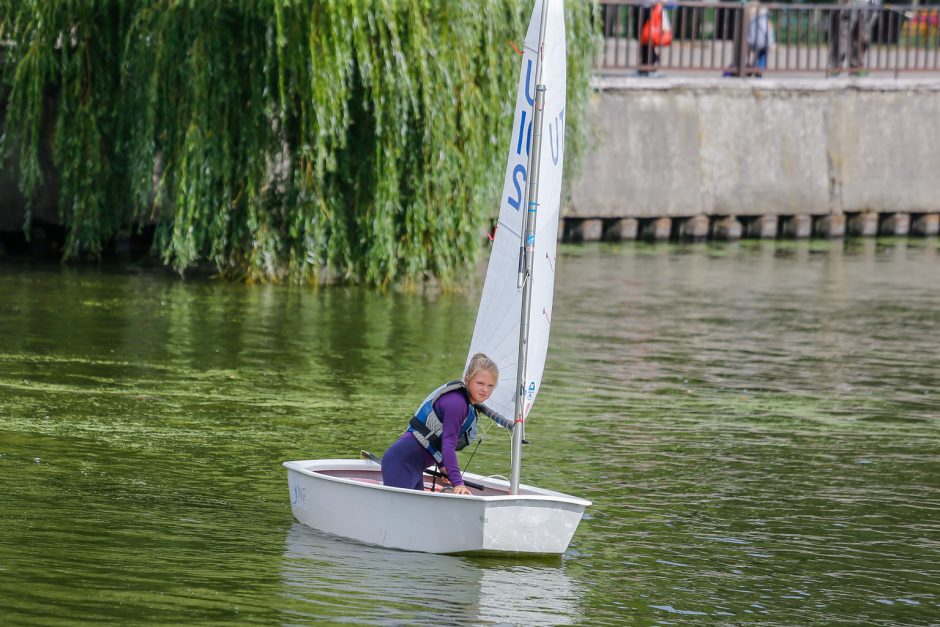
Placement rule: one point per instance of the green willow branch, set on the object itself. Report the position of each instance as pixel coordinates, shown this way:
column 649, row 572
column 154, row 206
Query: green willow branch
column 278, row 140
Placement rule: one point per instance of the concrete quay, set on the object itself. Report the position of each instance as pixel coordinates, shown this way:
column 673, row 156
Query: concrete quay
column 696, row 159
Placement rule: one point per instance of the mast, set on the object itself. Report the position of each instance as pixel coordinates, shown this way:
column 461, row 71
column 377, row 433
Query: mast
column 526, row 257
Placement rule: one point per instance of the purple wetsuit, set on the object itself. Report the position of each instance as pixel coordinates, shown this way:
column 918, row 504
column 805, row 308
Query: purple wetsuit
column 405, row 460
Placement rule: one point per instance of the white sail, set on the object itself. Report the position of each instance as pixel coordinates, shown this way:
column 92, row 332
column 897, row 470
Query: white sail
column 496, row 332
column 340, row 496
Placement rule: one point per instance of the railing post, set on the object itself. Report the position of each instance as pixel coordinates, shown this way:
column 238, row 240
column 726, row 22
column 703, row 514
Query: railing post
column 739, row 58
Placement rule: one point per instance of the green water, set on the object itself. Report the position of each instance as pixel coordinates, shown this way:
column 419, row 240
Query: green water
column 758, row 426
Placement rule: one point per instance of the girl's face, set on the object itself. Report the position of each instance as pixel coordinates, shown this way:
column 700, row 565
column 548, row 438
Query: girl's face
column 480, row 386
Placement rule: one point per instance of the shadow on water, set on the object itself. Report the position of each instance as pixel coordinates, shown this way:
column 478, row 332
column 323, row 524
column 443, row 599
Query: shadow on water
column 328, row 577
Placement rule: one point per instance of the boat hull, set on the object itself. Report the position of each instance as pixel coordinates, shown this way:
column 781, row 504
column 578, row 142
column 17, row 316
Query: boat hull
column 345, row 498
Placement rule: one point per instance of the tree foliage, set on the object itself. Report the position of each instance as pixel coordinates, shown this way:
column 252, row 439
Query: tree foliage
column 356, row 140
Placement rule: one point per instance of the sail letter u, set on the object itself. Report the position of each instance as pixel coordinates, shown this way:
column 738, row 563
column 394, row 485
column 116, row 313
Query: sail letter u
column 555, row 131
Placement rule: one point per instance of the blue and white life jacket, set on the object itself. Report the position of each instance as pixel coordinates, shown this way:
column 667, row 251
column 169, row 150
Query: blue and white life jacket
column 428, row 428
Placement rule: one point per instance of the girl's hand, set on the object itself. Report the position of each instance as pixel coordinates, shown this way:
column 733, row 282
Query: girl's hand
column 462, row 489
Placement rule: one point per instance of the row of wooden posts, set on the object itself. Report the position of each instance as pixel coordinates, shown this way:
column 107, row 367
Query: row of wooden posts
column 701, row 227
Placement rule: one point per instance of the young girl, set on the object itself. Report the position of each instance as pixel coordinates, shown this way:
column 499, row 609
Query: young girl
column 445, row 423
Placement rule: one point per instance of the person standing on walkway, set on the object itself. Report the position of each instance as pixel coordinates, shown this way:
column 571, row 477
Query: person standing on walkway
column 655, row 31
column 850, row 34
column 760, row 40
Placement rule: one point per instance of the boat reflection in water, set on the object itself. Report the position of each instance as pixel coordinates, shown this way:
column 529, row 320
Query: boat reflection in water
column 330, row 578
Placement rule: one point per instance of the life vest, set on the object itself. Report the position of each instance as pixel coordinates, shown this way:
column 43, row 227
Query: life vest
column 427, row 427
column 654, row 31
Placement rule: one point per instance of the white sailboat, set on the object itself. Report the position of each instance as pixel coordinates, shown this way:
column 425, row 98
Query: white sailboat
column 346, row 497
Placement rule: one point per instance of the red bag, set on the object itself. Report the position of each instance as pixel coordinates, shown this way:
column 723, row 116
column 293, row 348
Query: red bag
column 658, row 29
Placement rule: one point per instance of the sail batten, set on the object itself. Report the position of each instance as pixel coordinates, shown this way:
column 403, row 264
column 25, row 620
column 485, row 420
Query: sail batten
column 510, row 227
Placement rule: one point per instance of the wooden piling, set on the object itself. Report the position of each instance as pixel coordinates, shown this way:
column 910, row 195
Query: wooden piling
column 621, row 230
column 831, row 226
column 657, row 230
column 895, row 224
column 797, row 227
column 762, row 227
column 864, row 224
column 926, row 224
column 727, row 228
column 591, row 229
column 694, row 228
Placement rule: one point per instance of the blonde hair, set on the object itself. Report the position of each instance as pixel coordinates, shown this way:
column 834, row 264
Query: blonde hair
column 480, row 362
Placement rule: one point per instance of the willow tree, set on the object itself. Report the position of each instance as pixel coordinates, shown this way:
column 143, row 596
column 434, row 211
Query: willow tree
column 279, row 140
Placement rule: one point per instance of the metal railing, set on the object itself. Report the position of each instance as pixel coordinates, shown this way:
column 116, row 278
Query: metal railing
column 725, row 37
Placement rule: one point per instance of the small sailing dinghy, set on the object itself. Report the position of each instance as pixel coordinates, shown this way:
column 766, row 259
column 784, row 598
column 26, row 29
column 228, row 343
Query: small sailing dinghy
column 346, row 497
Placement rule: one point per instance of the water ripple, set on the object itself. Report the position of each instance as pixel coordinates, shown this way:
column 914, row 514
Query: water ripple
column 756, row 424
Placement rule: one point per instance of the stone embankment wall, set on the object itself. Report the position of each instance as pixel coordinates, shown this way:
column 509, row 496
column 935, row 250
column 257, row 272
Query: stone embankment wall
column 725, row 158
